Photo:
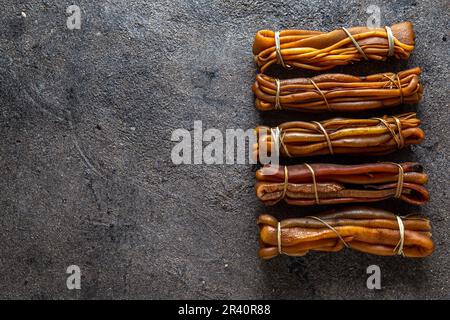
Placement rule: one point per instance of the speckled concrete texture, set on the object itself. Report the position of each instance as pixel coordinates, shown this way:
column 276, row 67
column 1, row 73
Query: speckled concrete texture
column 86, row 176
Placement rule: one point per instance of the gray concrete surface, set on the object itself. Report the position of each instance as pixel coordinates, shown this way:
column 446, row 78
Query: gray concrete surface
column 86, row 176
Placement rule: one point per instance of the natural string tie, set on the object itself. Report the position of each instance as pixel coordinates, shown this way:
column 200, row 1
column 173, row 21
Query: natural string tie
column 394, row 79
column 278, row 50
column 286, row 181
column 390, row 37
column 327, row 137
column 401, row 174
column 399, row 247
column 277, row 135
column 331, row 228
column 279, row 238
column 398, row 138
column 316, row 193
column 321, row 93
column 355, row 43
column 277, row 95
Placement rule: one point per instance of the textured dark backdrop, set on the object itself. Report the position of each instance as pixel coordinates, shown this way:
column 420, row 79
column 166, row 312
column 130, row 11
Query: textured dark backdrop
column 85, row 170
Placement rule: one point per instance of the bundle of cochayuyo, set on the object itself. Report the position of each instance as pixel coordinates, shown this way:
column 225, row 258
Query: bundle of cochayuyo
column 375, row 136
column 369, row 230
column 309, row 184
column 317, row 50
column 338, row 92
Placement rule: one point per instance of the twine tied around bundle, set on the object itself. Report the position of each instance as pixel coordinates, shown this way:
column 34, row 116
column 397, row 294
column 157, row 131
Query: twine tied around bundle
column 394, row 79
column 400, row 179
column 325, row 133
column 277, row 135
column 279, row 238
column 391, row 42
column 357, row 46
column 401, row 174
column 321, row 93
column 399, row 247
column 313, row 174
column 277, row 95
column 286, row 181
column 398, row 138
column 278, row 51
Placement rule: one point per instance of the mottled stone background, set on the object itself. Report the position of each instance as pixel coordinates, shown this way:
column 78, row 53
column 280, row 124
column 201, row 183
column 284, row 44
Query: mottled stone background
column 85, row 171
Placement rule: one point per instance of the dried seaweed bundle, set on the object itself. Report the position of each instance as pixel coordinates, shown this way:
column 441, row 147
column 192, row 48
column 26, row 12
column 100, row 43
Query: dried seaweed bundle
column 338, row 92
column 369, row 230
column 374, row 136
column 309, row 184
column 316, row 50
